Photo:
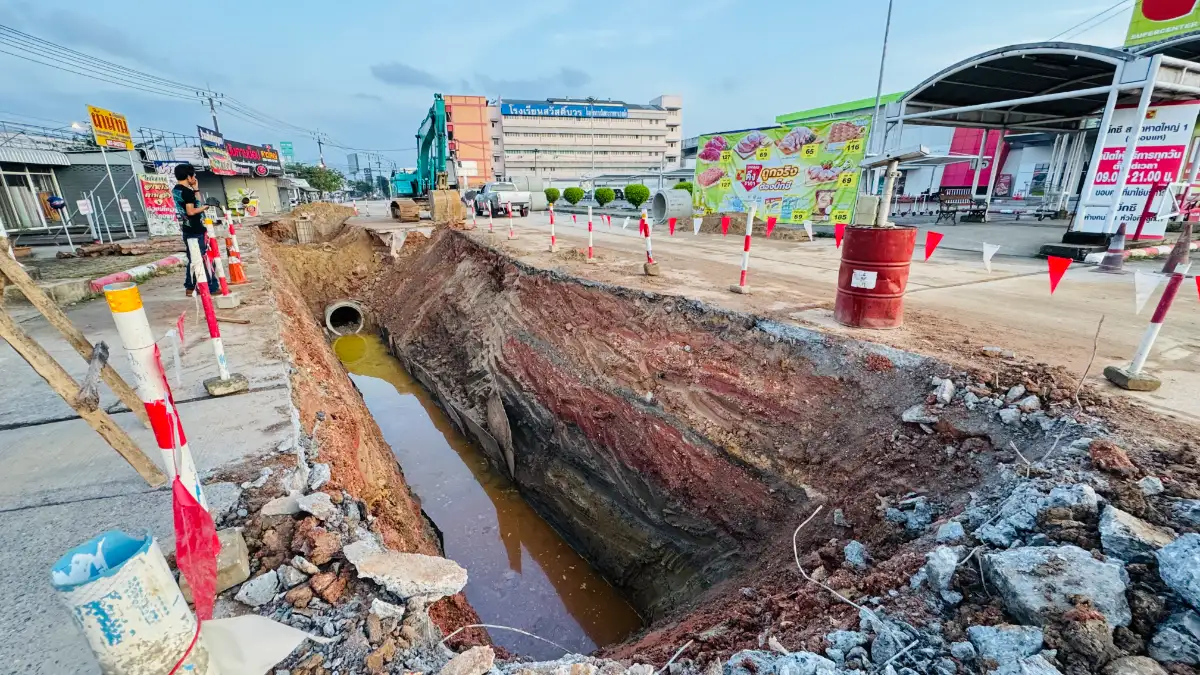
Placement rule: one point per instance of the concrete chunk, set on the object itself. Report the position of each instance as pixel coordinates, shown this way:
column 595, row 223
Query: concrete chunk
column 918, row 415
column 1134, row 665
column 1037, row 583
column 1033, row 665
column 1005, row 643
column 282, row 506
column 412, row 574
column 260, row 590
column 1179, row 567
column 386, row 610
column 1129, row 538
column 1177, row 640
column 233, row 562
column 290, row 576
column 318, row 504
column 474, row 661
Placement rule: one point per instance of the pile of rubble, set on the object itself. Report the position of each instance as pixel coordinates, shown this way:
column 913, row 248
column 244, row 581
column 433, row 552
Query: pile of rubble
column 163, row 245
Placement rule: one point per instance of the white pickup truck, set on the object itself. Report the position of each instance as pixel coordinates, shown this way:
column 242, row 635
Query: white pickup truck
column 497, row 196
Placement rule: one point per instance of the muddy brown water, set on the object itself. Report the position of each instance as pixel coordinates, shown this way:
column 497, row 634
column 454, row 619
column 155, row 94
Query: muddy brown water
column 520, row 571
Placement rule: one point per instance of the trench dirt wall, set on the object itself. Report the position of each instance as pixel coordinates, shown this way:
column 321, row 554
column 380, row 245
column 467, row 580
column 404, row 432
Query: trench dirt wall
column 668, row 441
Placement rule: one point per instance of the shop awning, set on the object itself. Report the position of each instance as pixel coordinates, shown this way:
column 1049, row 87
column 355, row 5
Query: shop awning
column 29, row 156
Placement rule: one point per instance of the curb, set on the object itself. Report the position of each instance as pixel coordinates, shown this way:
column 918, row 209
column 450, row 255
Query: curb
column 136, row 274
column 1140, row 253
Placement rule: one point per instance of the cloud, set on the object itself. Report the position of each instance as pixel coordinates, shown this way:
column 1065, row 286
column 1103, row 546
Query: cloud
column 80, row 31
column 547, row 85
column 368, row 97
column 400, row 75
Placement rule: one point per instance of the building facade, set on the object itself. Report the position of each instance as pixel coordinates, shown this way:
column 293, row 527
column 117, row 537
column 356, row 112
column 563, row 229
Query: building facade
column 569, row 140
column 468, row 126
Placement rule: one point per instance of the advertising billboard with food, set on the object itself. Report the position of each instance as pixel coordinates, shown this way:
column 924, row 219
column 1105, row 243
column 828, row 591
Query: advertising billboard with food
column 805, row 172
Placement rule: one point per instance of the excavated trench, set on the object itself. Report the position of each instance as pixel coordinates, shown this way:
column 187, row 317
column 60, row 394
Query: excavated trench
column 670, row 445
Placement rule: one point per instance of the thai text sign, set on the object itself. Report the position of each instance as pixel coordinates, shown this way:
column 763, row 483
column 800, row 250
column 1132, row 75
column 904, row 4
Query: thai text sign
column 1155, row 20
column 1157, row 160
column 247, row 157
column 213, row 144
column 110, row 129
column 159, row 203
column 806, row 172
column 563, row 110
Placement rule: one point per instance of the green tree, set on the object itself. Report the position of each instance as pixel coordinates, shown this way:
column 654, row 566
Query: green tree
column 363, row 186
column 636, row 194
column 320, row 177
column 685, row 185
column 605, row 195
column 552, row 194
column 573, row 195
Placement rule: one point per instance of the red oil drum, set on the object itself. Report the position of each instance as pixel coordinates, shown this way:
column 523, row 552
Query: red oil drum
column 873, row 276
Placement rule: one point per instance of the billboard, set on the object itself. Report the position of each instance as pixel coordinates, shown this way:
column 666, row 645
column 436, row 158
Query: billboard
column 1161, row 148
column 352, row 162
column 110, row 129
column 159, row 203
column 563, row 110
column 213, row 145
column 254, row 159
column 287, row 151
column 805, row 172
column 1155, row 20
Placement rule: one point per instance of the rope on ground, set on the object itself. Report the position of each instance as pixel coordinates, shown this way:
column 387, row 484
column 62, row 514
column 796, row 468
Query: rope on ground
column 89, row 390
column 1095, row 347
column 672, row 659
column 515, row 630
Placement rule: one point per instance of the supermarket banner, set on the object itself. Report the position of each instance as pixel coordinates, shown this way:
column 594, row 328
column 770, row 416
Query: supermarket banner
column 1155, row 20
column 1159, row 159
column 805, row 172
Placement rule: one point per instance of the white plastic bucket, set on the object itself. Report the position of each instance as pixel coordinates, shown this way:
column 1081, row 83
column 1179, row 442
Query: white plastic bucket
column 122, row 595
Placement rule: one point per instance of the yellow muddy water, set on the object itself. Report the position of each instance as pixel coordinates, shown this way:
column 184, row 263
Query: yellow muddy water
column 521, row 573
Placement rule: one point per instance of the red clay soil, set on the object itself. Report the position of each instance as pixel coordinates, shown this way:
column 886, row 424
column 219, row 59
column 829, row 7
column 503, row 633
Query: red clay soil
column 361, row 462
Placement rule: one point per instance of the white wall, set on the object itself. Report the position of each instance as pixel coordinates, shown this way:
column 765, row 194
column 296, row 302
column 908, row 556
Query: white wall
column 1021, row 164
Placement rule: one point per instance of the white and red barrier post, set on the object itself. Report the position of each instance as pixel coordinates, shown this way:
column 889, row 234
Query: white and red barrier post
column 236, row 274
column 150, row 380
column 552, row 215
column 512, row 234
column 1133, row 377
column 553, row 239
column 651, row 267
column 225, row 382
column 741, row 286
column 491, row 229
column 590, row 259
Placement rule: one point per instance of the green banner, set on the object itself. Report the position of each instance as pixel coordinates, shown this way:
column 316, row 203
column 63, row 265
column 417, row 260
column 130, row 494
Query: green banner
column 1155, row 20
column 805, row 172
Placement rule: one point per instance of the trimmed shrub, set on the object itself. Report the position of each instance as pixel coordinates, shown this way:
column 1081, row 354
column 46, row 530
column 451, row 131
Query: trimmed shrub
column 685, row 185
column 605, row 195
column 552, row 194
column 573, row 195
column 637, row 194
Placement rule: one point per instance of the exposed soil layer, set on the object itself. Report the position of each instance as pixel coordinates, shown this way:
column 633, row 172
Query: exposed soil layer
column 361, row 462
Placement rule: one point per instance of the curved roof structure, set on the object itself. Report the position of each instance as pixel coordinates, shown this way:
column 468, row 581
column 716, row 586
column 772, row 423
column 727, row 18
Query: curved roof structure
column 1186, row 47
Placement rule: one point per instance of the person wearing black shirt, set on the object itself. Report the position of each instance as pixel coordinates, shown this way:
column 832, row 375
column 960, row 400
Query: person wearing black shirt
column 190, row 213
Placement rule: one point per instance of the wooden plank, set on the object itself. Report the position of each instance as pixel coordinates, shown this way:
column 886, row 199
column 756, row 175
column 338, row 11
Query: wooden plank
column 75, row 337
column 62, row 384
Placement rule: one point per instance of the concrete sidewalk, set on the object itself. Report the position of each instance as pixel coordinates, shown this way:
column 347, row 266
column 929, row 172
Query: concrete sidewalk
column 61, row 484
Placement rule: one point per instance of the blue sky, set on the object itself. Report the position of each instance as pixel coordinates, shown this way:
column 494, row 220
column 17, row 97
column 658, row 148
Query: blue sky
column 364, row 72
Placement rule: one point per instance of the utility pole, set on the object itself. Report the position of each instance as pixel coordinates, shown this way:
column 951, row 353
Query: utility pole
column 320, row 149
column 213, row 109
column 887, row 29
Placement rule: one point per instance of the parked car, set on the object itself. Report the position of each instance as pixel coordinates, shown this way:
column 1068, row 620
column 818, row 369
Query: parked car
column 496, row 197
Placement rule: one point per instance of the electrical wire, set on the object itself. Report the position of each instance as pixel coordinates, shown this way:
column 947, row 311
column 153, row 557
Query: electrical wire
column 1116, row 5
column 97, row 76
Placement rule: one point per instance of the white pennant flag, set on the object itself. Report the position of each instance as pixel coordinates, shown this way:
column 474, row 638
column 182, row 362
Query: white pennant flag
column 808, row 229
column 1144, row 285
column 989, row 250
column 626, row 223
column 696, row 223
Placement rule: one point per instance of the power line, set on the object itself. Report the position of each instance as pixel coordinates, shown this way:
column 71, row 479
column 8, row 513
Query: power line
column 1116, row 5
column 97, row 76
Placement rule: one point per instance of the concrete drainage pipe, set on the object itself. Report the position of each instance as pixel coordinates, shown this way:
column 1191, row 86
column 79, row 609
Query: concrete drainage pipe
column 671, row 204
column 344, row 317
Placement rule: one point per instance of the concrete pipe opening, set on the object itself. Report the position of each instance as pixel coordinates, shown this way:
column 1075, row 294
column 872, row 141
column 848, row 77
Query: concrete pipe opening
column 344, row 317
column 669, row 204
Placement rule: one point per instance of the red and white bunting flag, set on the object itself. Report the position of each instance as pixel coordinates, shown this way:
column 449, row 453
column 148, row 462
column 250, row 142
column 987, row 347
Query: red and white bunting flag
column 1058, row 267
column 696, row 223
column 989, row 250
column 1144, row 285
column 932, row 239
column 671, row 223
column 839, row 231
column 771, row 220
column 808, row 229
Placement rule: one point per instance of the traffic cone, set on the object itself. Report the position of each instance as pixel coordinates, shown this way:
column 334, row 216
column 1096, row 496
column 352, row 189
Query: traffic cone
column 1114, row 259
column 236, row 274
column 355, row 207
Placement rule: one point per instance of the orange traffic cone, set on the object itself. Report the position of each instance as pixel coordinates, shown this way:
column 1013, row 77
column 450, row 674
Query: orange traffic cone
column 236, row 274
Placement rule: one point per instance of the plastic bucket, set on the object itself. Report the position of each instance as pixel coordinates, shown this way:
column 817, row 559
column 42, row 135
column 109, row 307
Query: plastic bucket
column 122, row 595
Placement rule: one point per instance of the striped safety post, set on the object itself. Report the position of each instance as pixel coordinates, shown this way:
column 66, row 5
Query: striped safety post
column 512, row 234
column 551, row 215
column 150, row 380
column 553, row 239
column 741, row 285
column 651, row 267
column 473, row 214
column 590, row 259
column 225, row 382
column 236, row 274
column 214, row 254
column 491, row 229
column 1133, row 378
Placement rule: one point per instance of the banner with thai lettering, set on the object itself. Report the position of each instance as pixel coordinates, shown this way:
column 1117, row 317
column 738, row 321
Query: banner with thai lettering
column 254, row 159
column 804, row 172
column 213, row 144
column 159, row 203
column 1158, row 160
column 110, row 129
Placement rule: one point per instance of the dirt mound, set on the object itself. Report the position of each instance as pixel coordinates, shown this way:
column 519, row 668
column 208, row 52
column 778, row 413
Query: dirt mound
column 737, row 226
column 324, row 214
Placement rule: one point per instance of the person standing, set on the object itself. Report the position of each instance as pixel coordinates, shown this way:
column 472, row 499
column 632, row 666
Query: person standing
column 190, row 213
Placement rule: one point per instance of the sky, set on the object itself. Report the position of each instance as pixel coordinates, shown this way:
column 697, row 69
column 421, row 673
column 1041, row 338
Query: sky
column 365, row 72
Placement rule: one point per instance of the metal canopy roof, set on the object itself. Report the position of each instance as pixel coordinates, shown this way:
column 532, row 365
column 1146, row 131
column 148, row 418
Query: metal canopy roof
column 1186, row 47
column 1019, row 72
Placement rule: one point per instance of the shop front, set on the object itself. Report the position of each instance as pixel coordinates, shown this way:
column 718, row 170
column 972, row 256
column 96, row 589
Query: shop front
column 27, row 181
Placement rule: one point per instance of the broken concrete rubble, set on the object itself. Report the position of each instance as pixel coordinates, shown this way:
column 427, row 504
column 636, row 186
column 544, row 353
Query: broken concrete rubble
column 1032, row 665
column 319, row 505
column 260, row 590
column 410, row 575
column 474, row 661
column 290, row 576
column 282, row 506
column 754, row 662
column 1038, row 584
column 1133, row 665
column 1177, row 639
